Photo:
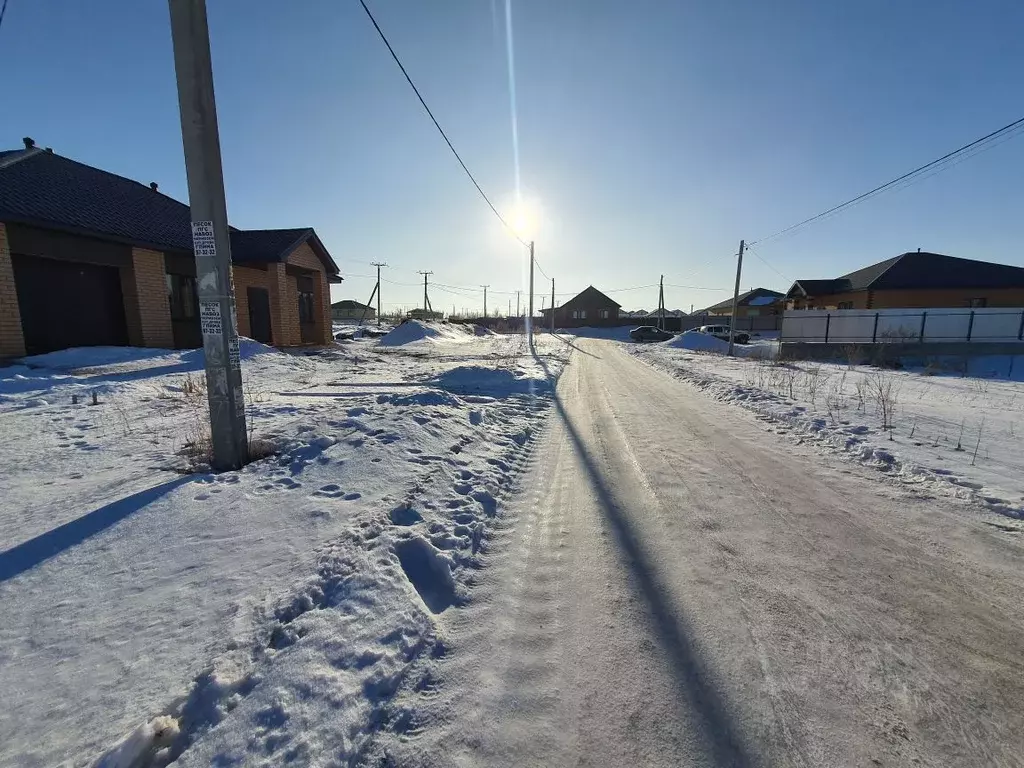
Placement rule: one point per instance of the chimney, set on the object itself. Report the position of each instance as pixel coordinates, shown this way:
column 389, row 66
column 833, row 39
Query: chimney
column 29, row 142
column 153, row 185
column 918, row 250
column 50, row 150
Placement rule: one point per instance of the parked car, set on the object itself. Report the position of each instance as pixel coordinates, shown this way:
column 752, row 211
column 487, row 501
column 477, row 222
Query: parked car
column 722, row 332
column 649, row 333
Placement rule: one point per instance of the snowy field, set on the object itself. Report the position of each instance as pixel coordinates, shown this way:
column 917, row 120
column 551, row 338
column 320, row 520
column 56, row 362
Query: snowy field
column 961, row 434
column 146, row 599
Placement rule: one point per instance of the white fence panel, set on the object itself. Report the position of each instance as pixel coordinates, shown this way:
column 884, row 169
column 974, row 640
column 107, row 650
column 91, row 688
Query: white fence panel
column 995, row 325
column 859, row 326
column 950, row 325
column 851, row 327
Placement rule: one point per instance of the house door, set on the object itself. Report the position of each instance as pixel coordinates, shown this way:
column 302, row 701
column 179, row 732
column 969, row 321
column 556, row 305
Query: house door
column 259, row 314
column 68, row 304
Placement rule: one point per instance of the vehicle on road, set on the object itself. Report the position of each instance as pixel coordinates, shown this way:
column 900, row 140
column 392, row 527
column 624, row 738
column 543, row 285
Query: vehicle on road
column 722, row 332
column 650, row 333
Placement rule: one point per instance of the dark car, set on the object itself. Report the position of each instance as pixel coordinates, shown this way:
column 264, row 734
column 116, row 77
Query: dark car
column 649, row 333
column 722, row 332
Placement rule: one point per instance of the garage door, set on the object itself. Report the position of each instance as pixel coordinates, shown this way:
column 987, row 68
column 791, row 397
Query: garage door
column 65, row 304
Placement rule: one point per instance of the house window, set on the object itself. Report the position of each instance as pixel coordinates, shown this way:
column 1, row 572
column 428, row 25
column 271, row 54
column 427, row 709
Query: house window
column 977, row 303
column 583, row 314
column 575, row 314
column 605, row 314
column 181, row 294
column 845, row 305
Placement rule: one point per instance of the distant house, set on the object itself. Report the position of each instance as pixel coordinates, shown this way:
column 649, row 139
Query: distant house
column 352, row 310
column 916, row 279
column 89, row 258
column 589, row 307
column 754, row 303
column 424, row 314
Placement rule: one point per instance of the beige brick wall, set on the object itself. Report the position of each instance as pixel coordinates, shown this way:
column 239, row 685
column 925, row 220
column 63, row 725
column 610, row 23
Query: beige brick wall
column 919, row 299
column 959, row 297
column 284, row 307
column 12, row 341
column 152, row 312
column 304, row 257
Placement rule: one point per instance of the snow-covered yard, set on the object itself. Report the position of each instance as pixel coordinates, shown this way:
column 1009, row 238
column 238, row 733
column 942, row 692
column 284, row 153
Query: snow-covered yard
column 144, row 596
column 962, row 434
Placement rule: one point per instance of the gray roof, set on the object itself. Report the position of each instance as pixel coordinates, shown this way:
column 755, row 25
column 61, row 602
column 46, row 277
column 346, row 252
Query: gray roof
column 349, row 304
column 916, row 270
column 44, row 189
column 745, row 300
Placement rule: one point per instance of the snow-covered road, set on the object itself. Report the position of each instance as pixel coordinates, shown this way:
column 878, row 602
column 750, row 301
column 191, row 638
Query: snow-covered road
column 678, row 587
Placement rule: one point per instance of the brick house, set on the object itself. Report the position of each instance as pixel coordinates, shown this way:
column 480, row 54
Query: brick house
column 756, row 302
column 589, row 307
column 90, row 258
column 917, row 279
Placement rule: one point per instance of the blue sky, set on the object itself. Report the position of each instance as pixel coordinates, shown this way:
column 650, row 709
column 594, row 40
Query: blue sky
column 653, row 135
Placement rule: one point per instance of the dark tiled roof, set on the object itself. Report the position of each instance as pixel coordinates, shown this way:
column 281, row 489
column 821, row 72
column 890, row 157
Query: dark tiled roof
column 917, row 270
column 589, row 297
column 349, row 304
column 265, row 244
column 45, row 189
column 744, row 300
column 935, row 270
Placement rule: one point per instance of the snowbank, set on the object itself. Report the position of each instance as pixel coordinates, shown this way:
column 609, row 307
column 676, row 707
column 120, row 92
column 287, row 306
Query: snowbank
column 96, row 357
column 408, row 332
column 695, row 341
column 699, row 342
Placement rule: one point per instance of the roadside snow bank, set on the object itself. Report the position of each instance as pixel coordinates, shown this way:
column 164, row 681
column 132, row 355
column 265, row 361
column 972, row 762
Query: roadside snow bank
column 695, row 341
column 77, row 358
column 870, row 445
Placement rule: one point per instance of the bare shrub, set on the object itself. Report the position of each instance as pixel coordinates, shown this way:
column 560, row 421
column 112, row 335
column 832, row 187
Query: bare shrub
column 885, row 391
column 814, row 379
column 861, row 390
column 854, row 354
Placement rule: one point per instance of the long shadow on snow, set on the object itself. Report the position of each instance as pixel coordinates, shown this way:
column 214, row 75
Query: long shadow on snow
column 722, row 742
column 31, row 553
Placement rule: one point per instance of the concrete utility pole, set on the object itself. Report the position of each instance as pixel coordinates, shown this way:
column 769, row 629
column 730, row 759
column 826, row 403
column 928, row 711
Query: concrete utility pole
column 735, row 299
column 426, row 301
column 518, row 313
column 378, row 265
column 552, row 305
column 660, row 303
column 529, row 320
column 509, row 313
column 485, row 287
column 190, row 38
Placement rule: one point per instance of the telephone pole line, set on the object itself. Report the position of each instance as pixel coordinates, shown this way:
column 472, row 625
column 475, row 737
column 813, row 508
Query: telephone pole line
column 529, row 320
column 485, row 287
column 552, row 305
column 735, row 299
column 190, row 38
column 661, row 303
column 426, row 301
column 378, row 265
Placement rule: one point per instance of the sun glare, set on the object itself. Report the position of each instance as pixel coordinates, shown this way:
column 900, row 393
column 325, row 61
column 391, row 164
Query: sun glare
column 525, row 218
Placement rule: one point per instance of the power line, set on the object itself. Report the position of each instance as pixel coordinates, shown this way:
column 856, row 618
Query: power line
column 437, row 124
column 3, row 10
column 764, row 261
column 1009, row 127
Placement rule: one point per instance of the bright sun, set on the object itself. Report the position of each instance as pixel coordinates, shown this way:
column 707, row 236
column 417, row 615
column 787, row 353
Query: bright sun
column 525, row 218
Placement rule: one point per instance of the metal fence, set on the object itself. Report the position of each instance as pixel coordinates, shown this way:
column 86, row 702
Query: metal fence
column 864, row 326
